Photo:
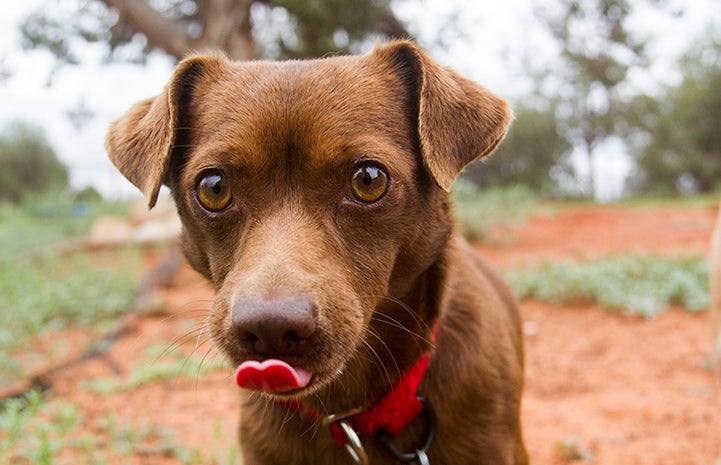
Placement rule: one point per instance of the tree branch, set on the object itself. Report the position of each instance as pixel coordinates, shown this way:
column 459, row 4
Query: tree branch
column 227, row 26
column 160, row 31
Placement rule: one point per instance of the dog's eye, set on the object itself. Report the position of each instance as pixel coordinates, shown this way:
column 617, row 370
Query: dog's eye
column 213, row 192
column 369, row 183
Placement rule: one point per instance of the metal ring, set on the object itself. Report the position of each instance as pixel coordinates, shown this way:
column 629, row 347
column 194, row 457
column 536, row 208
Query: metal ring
column 354, row 446
column 419, row 454
column 336, row 417
column 422, row 458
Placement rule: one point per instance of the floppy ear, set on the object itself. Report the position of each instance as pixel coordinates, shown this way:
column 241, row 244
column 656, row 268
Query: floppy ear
column 141, row 142
column 459, row 121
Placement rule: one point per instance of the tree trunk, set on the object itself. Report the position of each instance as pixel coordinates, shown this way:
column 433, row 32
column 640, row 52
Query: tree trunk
column 591, row 181
column 161, row 32
column 226, row 25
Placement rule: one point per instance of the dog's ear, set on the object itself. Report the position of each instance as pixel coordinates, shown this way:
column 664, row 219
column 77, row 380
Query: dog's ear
column 459, row 121
column 140, row 143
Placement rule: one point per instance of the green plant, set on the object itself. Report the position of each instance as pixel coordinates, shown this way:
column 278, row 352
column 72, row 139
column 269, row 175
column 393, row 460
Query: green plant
column 571, row 450
column 41, row 290
column 532, row 154
column 28, row 164
column 177, row 365
column 644, row 285
column 43, row 222
column 35, row 430
column 490, row 215
column 14, row 416
column 58, row 292
column 43, row 431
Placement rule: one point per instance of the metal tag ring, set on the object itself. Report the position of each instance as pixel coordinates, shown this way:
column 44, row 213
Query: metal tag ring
column 354, row 446
column 419, row 455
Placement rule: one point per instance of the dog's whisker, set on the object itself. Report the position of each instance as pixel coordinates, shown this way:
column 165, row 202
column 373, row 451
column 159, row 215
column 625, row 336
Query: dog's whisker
column 417, row 319
column 186, row 314
column 389, row 320
column 420, row 322
column 317, row 422
column 190, row 358
column 203, row 359
column 179, row 341
column 287, row 417
column 383, row 366
column 198, row 340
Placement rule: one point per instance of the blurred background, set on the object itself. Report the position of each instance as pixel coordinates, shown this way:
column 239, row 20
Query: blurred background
column 598, row 208
column 622, row 96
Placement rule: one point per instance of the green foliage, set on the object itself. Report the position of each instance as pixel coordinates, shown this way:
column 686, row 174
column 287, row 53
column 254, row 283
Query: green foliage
column 34, row 431
column 290, row 28
column 40, row 290
column 643, row 200
column 28, row 165
column 680, row 151
column 57, row 292
column 531, row 152
column 88, row 194
column 45, row 221
column 571, row 449
column 490, row 215
column 598, row 52
column 332, row 26
column 643, row 285
column 38, row 431
column 152, row 369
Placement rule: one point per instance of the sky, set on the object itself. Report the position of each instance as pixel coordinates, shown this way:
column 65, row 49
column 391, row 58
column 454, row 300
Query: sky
column 497, row 37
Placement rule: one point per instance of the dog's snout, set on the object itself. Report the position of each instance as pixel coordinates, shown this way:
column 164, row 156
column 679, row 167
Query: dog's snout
column 274, row 326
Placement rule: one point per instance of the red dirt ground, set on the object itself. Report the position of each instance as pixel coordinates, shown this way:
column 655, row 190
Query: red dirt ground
column 601, row 388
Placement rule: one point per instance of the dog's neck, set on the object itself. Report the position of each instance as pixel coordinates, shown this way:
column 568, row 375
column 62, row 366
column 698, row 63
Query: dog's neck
column 410, row 323
column 389, row 415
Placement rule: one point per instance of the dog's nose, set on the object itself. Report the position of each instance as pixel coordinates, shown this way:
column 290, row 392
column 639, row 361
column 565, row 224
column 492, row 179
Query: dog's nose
column 276, row 326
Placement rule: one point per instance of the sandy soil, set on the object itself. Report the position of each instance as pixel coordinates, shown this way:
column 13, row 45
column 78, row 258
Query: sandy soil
column 601, row 388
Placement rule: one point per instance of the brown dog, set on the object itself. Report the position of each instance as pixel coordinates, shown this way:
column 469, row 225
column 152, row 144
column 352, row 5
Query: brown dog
column 314, row 197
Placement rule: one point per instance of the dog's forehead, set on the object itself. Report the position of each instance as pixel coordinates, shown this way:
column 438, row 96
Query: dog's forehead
column 329, row 82
column 307, row 99
column 252, row 113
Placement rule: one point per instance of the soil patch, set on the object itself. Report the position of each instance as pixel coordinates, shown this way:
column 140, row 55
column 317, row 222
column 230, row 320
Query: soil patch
column 601, row 388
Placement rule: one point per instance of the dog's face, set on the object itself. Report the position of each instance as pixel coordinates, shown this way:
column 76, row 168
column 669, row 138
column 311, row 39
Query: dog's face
column 313, row 196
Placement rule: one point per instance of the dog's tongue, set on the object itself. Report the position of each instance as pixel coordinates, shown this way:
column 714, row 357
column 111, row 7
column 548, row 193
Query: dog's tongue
column 271, row 376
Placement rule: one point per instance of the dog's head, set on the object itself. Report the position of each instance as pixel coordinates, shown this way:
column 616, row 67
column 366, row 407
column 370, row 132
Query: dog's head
column 314, row 197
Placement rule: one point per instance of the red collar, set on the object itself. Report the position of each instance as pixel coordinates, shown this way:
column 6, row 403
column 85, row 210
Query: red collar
column 392, row 412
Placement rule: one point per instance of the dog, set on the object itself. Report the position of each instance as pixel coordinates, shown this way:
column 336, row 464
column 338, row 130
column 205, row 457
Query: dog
column 715, row 287
column 314, row 197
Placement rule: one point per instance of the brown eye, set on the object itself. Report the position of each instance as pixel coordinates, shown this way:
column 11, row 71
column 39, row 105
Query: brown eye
column 213, row 192
column 369, row 183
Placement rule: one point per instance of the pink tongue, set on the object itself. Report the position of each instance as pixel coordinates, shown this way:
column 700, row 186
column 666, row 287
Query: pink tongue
column 271, row 376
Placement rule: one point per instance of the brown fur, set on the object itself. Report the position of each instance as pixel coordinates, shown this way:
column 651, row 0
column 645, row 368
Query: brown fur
column 288, row 135
column 715, row 277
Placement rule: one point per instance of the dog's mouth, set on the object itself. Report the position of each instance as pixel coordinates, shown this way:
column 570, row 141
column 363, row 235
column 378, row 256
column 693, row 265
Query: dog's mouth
column 271, row 376
column 280, row 357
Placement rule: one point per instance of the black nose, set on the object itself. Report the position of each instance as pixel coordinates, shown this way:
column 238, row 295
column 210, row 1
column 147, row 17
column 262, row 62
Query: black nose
column 275, row 326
